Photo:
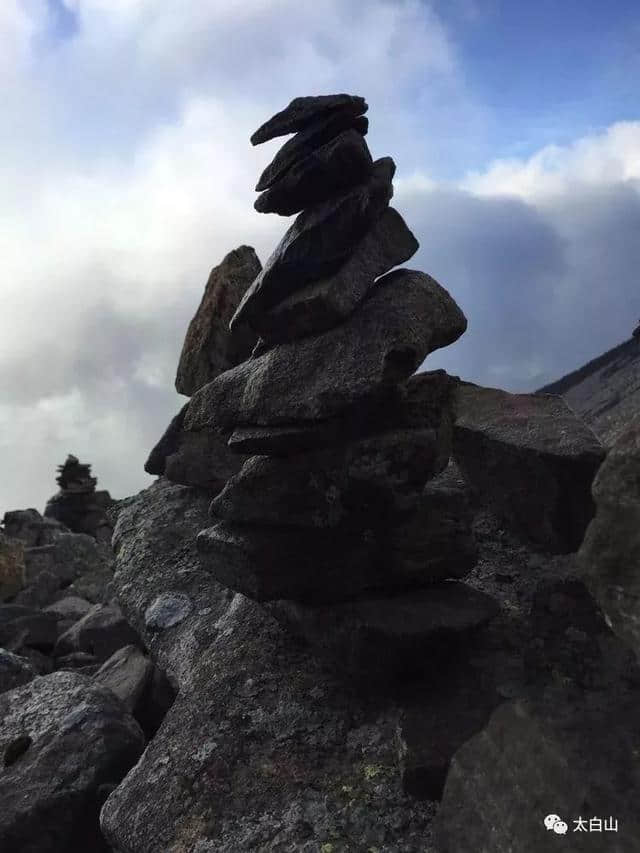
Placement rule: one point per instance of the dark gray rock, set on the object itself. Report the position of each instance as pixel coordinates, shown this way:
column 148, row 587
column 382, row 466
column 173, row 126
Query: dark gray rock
column 318, row 243
column 388, row 634
column 40, row 591
column 62, row 738
column 14, row 670
column 302, row 112
column 12, row 567
column 70, row 607
column 609, row 557
column 574, row 757
column 101, row 632
column 404, row 318
column 193, row 458
column 78, row 662
column 325, row 303
column 531, row 459
column 167, row 610
column 126, row 674
column 309, row 140
column 334, row 167
column 31, row 527
column 210, row 347
column 26, row 627
column 284, row 440
column 69, row 557
column 360, row 483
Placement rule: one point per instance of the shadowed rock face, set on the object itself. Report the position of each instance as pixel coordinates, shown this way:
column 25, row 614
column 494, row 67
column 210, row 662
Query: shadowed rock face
column 209, row 347
column 610, row 554
column 319, row 241
column 302, row 112
column 405, row 317
column 531, row 459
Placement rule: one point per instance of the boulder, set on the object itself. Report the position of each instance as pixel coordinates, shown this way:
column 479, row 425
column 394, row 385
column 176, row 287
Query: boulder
column 209, row 347
column 531, row 459
column 69, row 557
column 302, row 112
column 609, row 557
column 101, row 632
column 404, row 318
column 559, row 756
column 12, row 567
column 317, row 134
column 389, row 635
column 63, row 739
column 361, row 483
column 318, row 243
column 14, row 670
column 26, row 627
column 70, row 607
column 332, row 168
column 40, row 591
column 127, row 674
column 31, row 527
column 328, row 301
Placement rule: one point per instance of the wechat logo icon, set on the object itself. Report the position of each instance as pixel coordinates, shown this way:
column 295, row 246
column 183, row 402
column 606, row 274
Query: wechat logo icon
column 554, row 822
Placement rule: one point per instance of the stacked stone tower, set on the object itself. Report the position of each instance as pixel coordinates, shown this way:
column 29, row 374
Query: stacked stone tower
column 341, row 520
column 78, row 504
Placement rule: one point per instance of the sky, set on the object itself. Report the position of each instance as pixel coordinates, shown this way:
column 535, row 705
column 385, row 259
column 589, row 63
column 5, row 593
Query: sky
column 127, row 173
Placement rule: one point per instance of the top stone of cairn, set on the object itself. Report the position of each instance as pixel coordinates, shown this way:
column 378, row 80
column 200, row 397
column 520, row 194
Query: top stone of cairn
column 302, row 112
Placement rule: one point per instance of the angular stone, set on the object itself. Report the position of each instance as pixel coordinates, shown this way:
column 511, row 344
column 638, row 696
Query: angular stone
column 71, row 555
column 12, row 567
column 361, row 483
column 388, row 634
column 318, row 243
column 193, row 458
column 167, row 610
column 565, row 756
column 70, row 607
column 62, row 738
column 26, row 627
column 42, row 589
column 532, row 459
column 302, row 112
column 209, row 347
column 404, row 318
column 609, row 557
column 334, row 167
column 14, row 670
column 31, row 527
column 101, row 632
column 309, row 140
column 283, row 440
column 325, row 303
column 126, row 674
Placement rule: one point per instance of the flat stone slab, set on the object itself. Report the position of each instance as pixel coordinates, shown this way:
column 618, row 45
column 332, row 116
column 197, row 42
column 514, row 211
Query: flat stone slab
column 319, row 241
column 404, row 318
column 532, row 459
column 321, row 131
column 325, row 303
column 209, row 346
column 301, row 112
column 337, row 165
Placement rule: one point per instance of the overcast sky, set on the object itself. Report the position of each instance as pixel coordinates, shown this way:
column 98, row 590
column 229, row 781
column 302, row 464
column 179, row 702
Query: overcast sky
column 126, row 174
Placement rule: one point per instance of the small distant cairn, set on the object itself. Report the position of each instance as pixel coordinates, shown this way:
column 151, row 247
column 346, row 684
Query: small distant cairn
column 77, row 504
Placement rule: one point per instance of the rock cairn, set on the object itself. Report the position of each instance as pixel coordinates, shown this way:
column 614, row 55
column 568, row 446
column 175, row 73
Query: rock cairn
column 77, row 504
column 343, row 520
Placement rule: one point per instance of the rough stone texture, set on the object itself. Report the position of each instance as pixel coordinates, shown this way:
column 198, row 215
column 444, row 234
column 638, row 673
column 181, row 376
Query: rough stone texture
column 42, row 589
column 302, row 112
column 193, row 458
column 11, row 567
column 325, row 303
column 167, row 610
column 405, row 317
column 360, row 483
column 209, row 347
column 31, row 527
column 531, row 459
column 22, row 627
column 330, row 169
column 610, row 554
column 63, row 740
column 309, row 140
column 318, row 242
column 69, row 557
column 70, row 607
column 126, row 674
column 391, row 634
column 14, row 670
column 566, row 756
column 101, row 632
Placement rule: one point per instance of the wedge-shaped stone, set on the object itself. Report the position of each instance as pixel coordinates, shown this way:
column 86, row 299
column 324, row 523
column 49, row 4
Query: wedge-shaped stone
column 532, row 459
column 360, row 483
column 389, row 634
column 307, row 141
column 209, row 347
column 338, row 164
column 318, row 242
column 610, row 554
column 327, row 302
column 405, row 317
column 302, row 112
